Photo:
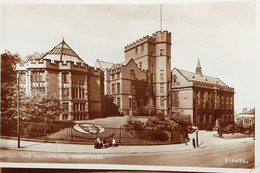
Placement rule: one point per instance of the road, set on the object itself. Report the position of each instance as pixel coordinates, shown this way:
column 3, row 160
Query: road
column 239, row 155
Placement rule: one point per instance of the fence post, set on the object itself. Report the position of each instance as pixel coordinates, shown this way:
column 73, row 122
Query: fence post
column 120, row 134
column 71, row 134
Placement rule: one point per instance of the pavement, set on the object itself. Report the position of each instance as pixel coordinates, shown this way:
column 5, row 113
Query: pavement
column 205, row 139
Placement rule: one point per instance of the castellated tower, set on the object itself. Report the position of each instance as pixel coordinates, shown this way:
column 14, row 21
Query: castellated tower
column 153, row 53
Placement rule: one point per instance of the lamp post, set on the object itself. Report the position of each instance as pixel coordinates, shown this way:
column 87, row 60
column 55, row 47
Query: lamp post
column 18, row 111
column 197, row 133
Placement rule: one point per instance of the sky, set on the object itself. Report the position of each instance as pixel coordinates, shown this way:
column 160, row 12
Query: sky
column 221, row 34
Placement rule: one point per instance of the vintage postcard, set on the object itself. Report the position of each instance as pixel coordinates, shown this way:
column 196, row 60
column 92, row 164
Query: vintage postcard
column 165, row 86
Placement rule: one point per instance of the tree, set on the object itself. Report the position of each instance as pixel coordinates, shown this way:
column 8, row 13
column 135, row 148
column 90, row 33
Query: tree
column 39, row 107
column 33, row 56
column 182, row 120
column 110, row 109
column 140, row 91
column 8, row 84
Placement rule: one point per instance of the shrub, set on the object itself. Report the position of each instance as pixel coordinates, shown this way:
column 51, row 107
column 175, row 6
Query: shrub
column 182, row 120
column 157, row 135
column 160, row 116
column 138, row 126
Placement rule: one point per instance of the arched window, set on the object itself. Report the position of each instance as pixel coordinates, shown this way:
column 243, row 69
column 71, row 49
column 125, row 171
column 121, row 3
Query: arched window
column 174, row 79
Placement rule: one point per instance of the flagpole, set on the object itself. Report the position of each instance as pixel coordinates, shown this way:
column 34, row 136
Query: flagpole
column 161, row 16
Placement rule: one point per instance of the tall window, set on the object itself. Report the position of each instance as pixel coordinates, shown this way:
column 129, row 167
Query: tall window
column 136, row 50
column 22, row 80
column 174, row 79
column 38, row 80
column 75, row 106
column 65, row 84
column 210, row 118
column 142, row 47
column 78, row 86
column 140, row 65
column 132, row 89
column 118, row 102
column 112, row 77
column 118, row 88
column 162, row 74
column 162, row 101
column 118, row 75
column 161, row 87
column 204, row 119
column 130, row 102
column 113, row 89
column 132, row 74
column 65, row 106
column 82, row 106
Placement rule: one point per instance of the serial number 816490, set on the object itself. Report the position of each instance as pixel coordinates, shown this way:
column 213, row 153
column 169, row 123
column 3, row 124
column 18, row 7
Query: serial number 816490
column 235, row 160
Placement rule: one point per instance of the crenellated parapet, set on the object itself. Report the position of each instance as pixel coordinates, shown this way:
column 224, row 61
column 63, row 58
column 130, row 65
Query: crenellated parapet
column 162, row 36
column 55, row 65
column 147, row 38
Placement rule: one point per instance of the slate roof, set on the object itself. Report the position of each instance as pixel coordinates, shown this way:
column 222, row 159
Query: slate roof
column 62, row 52
column 192, row 77
column 104, row 65
column 108, row 65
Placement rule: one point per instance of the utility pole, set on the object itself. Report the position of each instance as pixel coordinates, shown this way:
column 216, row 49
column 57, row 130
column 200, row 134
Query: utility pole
column 18, row 110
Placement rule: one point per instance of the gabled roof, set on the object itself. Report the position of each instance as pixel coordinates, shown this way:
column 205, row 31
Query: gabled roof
column 108, row 65
column 103, row 64
column 192, row 77
column 62, row 52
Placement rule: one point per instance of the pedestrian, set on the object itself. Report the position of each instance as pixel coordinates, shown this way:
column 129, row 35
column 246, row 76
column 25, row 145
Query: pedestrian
column 98, row 143
column 193, row 142
column 105, row 144
column 98, row 140
column 114, row 144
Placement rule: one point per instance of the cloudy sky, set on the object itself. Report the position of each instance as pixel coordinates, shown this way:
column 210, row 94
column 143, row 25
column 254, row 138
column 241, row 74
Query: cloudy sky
column 221, row 34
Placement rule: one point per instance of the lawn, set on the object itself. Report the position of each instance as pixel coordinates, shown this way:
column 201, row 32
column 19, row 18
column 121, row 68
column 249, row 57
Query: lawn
column 109, row 122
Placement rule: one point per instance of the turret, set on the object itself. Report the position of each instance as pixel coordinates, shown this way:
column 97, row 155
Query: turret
column 198, row 68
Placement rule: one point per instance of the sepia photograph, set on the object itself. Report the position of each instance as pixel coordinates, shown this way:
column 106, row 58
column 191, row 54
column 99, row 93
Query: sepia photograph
column 165, row 86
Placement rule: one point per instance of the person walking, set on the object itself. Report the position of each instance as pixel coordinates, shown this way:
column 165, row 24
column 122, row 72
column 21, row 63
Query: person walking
column 114, row 144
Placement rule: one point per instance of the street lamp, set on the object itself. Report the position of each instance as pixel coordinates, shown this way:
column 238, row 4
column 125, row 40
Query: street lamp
column 18, row 110
column 197, row 133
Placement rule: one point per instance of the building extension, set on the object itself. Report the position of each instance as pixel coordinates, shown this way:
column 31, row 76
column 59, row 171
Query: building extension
column 63, row 73
column 147, row 60
column 207, row 100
